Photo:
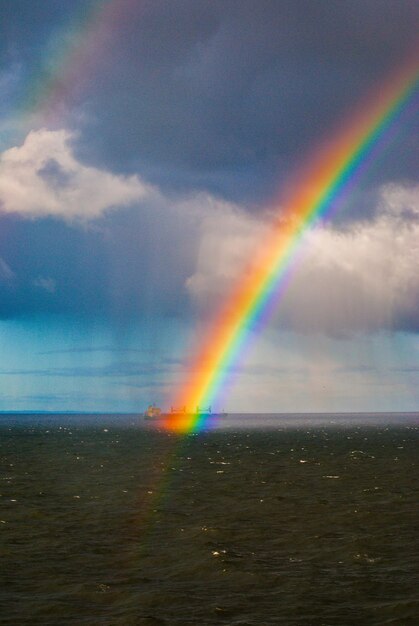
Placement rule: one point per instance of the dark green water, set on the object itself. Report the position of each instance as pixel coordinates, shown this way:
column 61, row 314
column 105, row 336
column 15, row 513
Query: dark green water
column 106, row 522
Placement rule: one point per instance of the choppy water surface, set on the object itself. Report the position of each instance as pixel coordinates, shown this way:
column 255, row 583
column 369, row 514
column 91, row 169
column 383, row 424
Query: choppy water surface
column 307, row 520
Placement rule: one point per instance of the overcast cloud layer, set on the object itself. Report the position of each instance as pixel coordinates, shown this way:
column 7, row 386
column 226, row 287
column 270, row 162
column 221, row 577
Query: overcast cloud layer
column 142, row 159
column 229, row 95
column 222, row 96
column 360, row 277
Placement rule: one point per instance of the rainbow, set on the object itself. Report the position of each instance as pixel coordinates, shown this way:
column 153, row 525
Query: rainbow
column 70, row 60
column 329, row 172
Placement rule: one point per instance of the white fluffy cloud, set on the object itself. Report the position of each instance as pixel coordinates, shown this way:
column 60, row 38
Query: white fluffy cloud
column 359, row 278
column 42, row 177
column 228, row 237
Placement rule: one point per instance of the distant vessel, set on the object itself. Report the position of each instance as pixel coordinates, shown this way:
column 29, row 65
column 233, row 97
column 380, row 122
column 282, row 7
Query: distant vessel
column 153, row 412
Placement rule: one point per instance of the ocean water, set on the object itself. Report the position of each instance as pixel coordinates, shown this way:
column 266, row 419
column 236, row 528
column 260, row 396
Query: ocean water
column 267, row 519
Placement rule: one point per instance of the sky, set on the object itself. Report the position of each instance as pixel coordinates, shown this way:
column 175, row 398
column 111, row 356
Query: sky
column 144, row 147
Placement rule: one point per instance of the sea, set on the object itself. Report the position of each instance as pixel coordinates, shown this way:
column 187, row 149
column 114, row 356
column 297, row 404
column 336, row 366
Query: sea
column 263, row 519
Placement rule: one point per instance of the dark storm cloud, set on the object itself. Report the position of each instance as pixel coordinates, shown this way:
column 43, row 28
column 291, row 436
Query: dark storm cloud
column 223, row 96
column 25, row 30
column 26, row 26
column 230, row 95
column 128, row 265
column 74, row 259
